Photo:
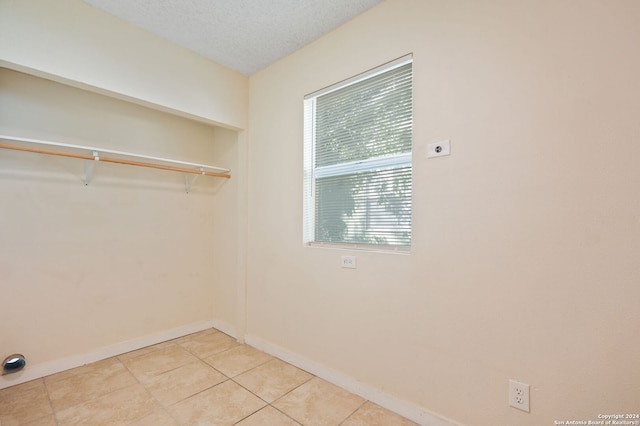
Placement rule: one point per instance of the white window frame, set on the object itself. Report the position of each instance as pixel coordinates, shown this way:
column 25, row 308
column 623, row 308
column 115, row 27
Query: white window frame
column 312, row 173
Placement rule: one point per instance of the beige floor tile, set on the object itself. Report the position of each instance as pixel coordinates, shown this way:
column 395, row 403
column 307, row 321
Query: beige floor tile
column 238, row 360
column 80, row 388
column 268, row 416
column 224, row 404
column 195, row 335
column 180, row 389
column 206, row 345
column 273, row 379
column 318, row 402
column 371, row 414
column 157, row 418
column 183, row 382
column 24, row 403
column 116, row 408
column 144, row 351
column 147, row 366
column 88, row 368
column 49, row 420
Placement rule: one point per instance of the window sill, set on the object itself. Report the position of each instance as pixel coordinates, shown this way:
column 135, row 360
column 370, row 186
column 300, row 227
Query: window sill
column 380, row 248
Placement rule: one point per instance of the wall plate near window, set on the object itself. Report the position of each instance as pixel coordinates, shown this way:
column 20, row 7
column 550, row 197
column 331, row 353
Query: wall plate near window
column 438, row 149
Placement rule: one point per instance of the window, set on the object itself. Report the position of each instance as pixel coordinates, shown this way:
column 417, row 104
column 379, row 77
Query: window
column 357, row 137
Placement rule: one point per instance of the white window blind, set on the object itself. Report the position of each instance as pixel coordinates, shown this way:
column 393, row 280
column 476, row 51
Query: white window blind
column 358, row 137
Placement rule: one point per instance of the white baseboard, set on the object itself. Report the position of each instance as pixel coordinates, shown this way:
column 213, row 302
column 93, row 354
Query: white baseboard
column 225, row 327
column 32, row 372
column 403, row 408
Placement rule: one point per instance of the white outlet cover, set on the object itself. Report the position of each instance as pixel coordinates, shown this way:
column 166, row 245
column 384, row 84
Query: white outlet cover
column 438, row 149
column 348, row 262
column 519, row 395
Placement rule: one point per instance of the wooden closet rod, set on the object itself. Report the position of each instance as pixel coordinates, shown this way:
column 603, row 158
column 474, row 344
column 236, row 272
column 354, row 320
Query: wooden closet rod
column 114, row 160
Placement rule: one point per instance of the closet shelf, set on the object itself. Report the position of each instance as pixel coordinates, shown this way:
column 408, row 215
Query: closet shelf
column 176, row 165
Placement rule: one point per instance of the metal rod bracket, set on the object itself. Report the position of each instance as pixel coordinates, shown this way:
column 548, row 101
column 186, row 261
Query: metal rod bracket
column 88, row 167
column 189, row 180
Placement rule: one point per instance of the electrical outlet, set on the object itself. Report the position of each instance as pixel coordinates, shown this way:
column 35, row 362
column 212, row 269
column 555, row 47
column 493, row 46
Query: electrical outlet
column 349, row 262
column 519, row 395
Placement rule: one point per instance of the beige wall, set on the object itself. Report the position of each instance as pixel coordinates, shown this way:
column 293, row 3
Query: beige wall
column 228, row 221
column 525, row 240
column 74, row 43
column 129, row 256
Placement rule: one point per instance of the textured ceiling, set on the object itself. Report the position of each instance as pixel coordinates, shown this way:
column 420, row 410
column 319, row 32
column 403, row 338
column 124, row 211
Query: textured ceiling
column 245, row 35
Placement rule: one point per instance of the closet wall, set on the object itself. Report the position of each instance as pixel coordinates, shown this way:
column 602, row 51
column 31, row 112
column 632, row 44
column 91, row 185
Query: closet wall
column 130, row 255
column 131, row 259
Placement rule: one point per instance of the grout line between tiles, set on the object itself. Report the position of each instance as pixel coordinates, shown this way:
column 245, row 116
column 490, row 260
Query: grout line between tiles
column 246, row 371
column 353, row 412
column 90, row 399
column 288, row 392
column 245, row 417
column 161, row 405
column 146, row 353
column 280, row 411
column 281, row 396
column 155, row 399
column 208, row 356
column 199, row 392
column 53, row 411
column 158, row 403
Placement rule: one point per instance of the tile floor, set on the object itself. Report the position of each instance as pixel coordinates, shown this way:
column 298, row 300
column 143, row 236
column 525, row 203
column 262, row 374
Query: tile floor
column 205, row 378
